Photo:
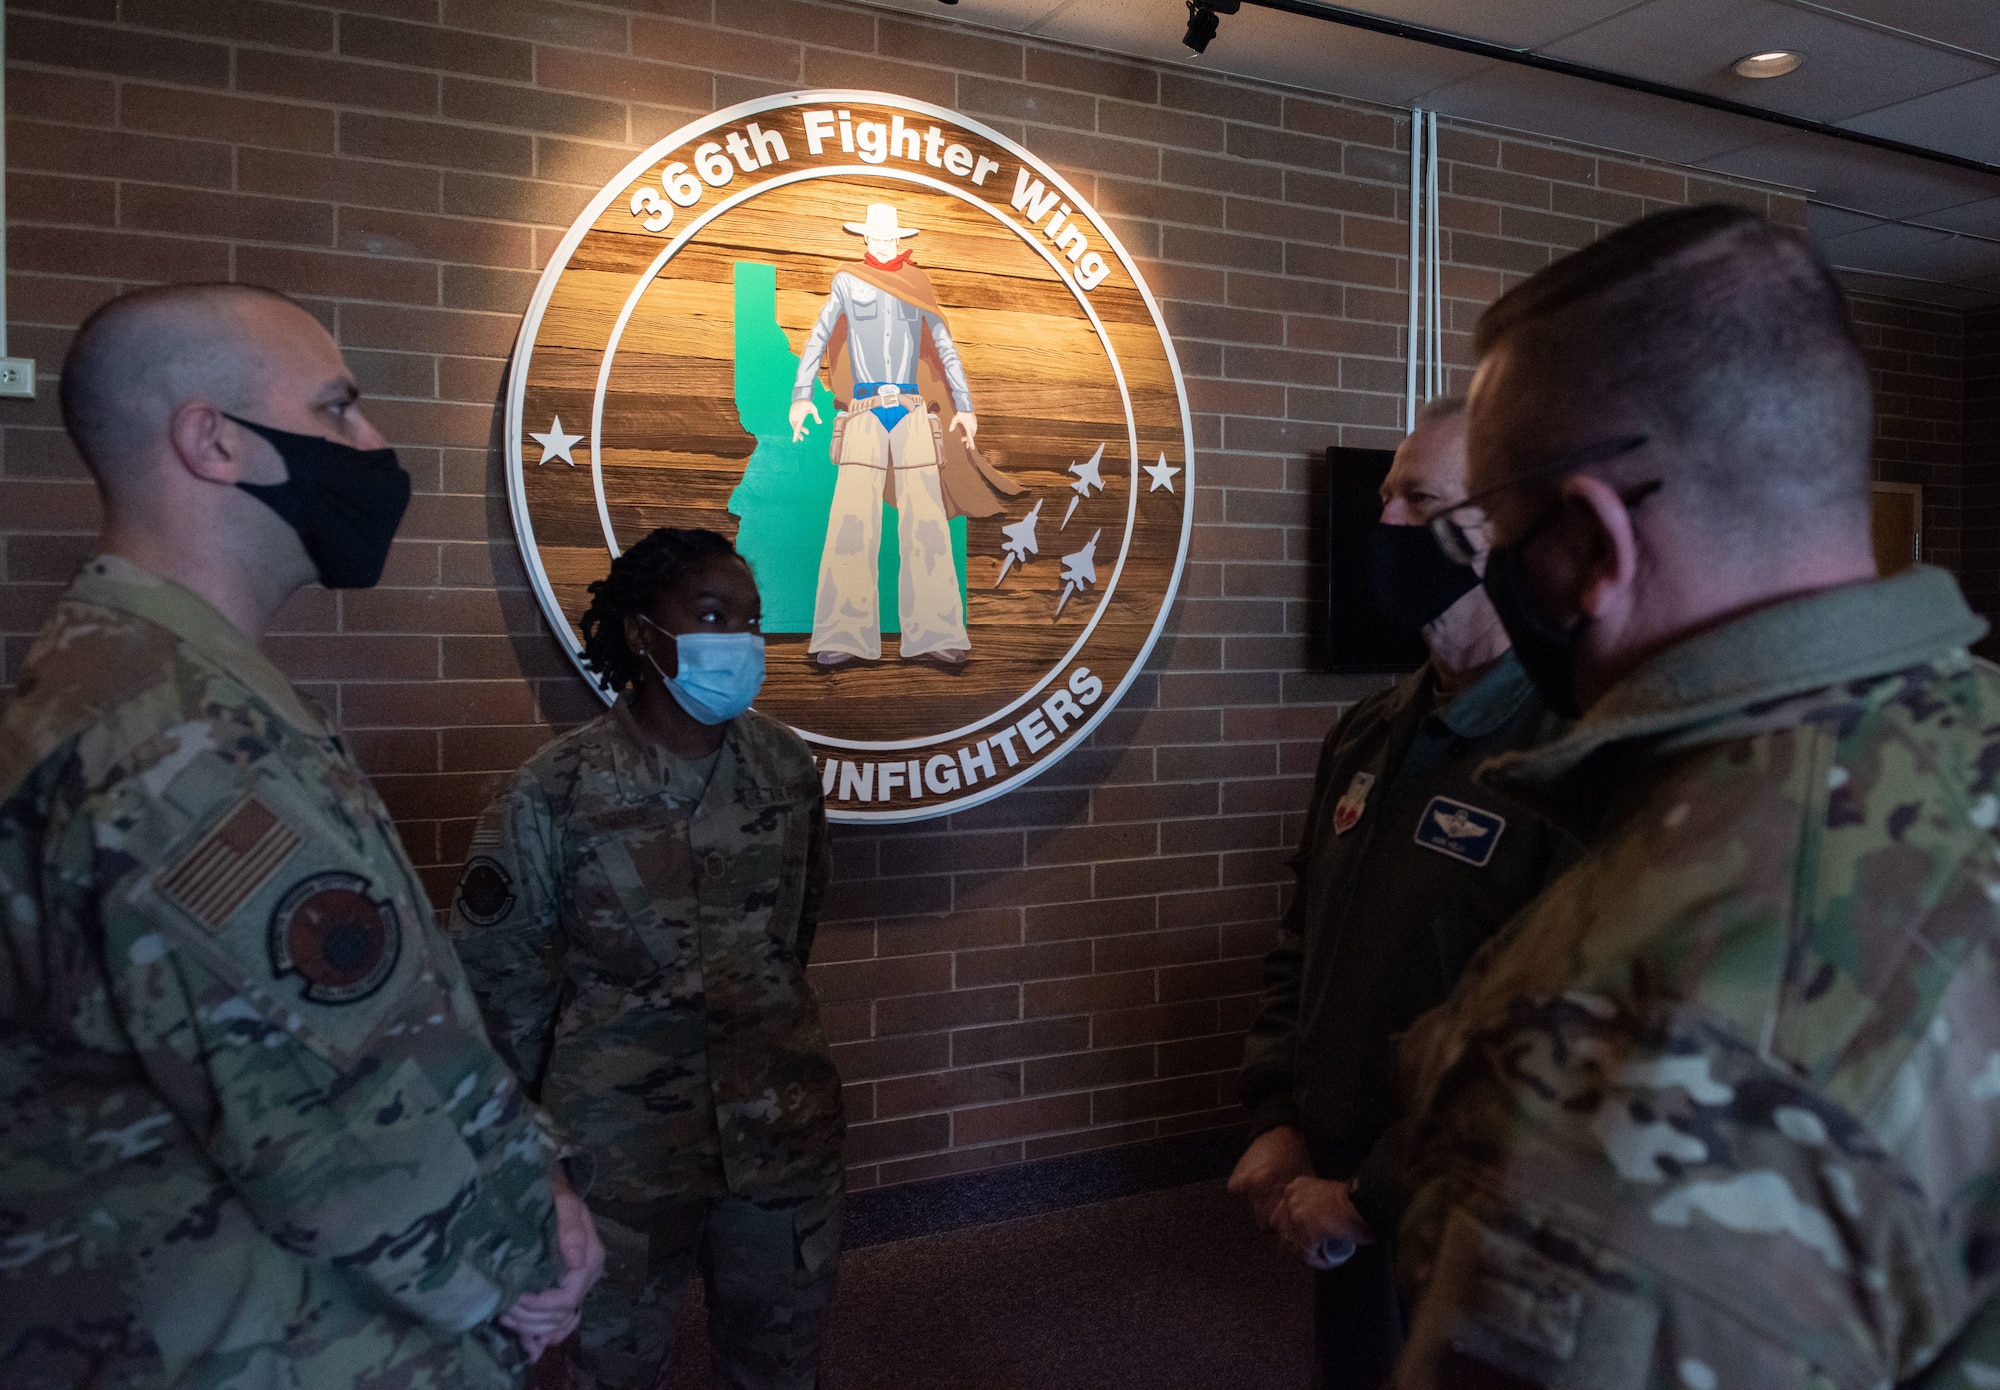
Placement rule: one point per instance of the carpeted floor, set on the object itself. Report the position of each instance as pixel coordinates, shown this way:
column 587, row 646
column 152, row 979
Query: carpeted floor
column 1171, row 1290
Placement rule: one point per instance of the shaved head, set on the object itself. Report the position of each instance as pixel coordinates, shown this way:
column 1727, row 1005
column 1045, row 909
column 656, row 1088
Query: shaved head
column 141, row 356
column 1720, row 337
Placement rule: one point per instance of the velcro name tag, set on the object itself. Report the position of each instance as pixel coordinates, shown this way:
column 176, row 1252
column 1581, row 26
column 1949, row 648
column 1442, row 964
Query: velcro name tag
column 229, row 864
column 1463, row 832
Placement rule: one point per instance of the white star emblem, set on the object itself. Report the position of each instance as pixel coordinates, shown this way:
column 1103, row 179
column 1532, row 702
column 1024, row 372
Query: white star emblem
column 555, row 444
column 1162, row 474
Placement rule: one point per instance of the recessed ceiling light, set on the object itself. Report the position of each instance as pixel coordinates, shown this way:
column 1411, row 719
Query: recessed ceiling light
column 1776, row 63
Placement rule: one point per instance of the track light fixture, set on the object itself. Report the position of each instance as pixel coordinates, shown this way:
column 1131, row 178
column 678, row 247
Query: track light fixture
column 1202, row 22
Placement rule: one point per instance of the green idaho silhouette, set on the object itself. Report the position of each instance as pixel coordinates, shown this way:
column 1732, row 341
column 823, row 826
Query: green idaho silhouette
column 786, row 494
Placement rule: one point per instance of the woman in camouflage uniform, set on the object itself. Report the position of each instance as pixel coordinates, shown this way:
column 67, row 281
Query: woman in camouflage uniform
column 635, row 917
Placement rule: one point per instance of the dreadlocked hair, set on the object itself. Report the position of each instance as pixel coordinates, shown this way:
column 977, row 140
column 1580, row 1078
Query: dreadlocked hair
column 637, row 579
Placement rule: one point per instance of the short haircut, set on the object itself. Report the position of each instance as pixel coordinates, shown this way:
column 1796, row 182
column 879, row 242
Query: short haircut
column 1438, row 408
column 1723, row 337
column 137, row 358
column 637, row 580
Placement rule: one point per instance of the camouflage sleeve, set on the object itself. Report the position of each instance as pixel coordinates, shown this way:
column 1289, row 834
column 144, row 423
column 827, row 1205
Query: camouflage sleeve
column 275, row 965
column 819, row 872
column 504, row 921
column 1265, row 1084
column 1625, row 1196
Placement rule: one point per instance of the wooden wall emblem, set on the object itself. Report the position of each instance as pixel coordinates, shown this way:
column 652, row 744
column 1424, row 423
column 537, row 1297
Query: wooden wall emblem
column 912, row 373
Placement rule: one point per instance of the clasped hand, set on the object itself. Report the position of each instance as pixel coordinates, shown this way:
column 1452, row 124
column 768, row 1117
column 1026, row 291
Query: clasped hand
column 540, row 1320
column 1289, row 1199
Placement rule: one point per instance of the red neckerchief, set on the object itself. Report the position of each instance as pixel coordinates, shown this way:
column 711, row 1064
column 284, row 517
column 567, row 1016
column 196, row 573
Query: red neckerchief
column 896, row 264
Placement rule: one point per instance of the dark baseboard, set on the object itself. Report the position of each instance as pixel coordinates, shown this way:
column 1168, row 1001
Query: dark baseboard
column 881, row 1214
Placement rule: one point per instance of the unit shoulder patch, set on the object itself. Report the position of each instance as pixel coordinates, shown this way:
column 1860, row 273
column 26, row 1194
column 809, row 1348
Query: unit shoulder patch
column 228, row 865
column 485, row 891
column 1462, row 832
column 338, row 939
column 1347, row 811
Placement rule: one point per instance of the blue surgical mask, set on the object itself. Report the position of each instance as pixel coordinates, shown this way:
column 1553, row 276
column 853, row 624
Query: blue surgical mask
column 720, row 672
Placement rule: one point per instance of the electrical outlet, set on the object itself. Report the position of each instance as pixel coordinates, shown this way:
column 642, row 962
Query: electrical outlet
column 17, row 377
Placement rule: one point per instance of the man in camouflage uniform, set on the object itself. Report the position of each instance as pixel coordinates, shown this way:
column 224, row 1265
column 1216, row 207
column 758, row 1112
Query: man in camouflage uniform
column 636, row 925
column 1724, row 1109
column 254, row 1135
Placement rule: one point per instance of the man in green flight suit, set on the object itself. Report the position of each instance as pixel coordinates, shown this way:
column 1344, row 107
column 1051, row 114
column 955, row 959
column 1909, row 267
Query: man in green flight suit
column 1723, row 1110
column 1404, row 869
column 635, row 917
column 254, row 1134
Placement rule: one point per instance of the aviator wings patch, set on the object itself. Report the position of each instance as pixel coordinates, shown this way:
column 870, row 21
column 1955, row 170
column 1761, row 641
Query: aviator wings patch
column 1462, row 832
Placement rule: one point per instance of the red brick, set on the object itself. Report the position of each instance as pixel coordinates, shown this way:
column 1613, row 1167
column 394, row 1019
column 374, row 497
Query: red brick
column 1013, row 963
column 258, row 21
column 1079, row 1071
column 60, row 96
column 116, row 154
column 923, row 1013
column 1154, row 1023
column 876, row 979
column 116, row 255
column 428, row 46
column 1019, row 1118
column 1036, row 1038
column 232, row 217
column 438, row 143
column 571, row 26
column 821, row 25
column 698, row 47
column 356, row 84
column 947, row 1090
column 622, row 79
column 870, row 1143
column 101, row 48
column 208, row 116
column 560, row 113
column 908, row 1055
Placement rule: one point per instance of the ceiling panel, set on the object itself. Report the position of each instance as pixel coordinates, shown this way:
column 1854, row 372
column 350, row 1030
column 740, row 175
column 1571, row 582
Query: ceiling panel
column 1981, row 218
column 1516, row 24
column 1692, row 43
column 1545, row 103
column 1963, row 120
column 1825, row 222
column 1267, row 44
column 1855, row 176
column 1970, row 24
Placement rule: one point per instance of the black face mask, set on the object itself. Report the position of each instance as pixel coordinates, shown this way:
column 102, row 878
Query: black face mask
column 1547, row 652
column 344, row 502
column 1410, row 579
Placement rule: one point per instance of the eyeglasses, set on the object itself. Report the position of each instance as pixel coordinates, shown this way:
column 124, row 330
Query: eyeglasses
column 1454, row 527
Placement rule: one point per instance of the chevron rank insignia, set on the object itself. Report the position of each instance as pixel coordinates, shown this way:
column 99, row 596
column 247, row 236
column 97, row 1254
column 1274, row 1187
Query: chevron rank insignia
column 1464, row 832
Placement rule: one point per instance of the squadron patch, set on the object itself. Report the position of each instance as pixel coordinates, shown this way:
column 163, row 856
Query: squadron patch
column 229, row 864
column 338, row 940
column 485, row 891
column 1347, row 811
column 1463, row 832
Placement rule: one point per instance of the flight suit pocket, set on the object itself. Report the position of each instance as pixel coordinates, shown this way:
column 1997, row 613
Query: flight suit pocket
column 1495, row 1300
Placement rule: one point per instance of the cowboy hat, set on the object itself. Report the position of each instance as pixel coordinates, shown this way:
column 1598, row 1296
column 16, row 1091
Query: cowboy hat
column 882, row 221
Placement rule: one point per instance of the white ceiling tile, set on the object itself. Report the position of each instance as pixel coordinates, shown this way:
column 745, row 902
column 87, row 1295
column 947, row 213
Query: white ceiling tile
column 1971, row 24
column 1569, row 108
column 1962, row 120
column 1824, row 222
column 1981, row 218
column 1966, row 296
column 1520, row 24
column 1848, row 68
column 1267, row 44
column 1855, row 176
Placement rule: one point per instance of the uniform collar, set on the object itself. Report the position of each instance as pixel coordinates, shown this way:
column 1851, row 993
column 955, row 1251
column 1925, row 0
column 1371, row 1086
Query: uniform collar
column 1489, row 702
column 645, row 770
column 110, row 581
column 1711, row 686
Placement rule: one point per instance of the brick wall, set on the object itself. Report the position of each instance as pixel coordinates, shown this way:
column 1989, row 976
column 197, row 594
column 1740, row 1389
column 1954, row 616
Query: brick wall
column 1068, row 967
column 1979, row 547
column 1917, row 355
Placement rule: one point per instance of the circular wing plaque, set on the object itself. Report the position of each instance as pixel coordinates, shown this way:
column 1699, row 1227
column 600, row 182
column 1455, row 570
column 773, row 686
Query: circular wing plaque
column 911, row 373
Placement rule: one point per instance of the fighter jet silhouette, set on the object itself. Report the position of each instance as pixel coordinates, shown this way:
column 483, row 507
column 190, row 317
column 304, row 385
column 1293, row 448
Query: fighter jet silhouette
column 1086, row 479
column 1020, row 542
column 1079, row 570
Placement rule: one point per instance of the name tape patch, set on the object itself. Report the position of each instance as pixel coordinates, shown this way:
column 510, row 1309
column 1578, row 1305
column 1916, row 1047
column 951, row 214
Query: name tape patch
column 1464, row 832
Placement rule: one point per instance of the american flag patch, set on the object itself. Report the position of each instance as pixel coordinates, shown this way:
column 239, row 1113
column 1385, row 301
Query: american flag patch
column 229, row 864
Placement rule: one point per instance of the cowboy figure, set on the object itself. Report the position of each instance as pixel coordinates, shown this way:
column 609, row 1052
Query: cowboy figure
column 893, row 360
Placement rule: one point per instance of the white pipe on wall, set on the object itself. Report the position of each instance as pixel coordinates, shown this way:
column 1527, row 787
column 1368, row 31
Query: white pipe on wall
column 1416, row 262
